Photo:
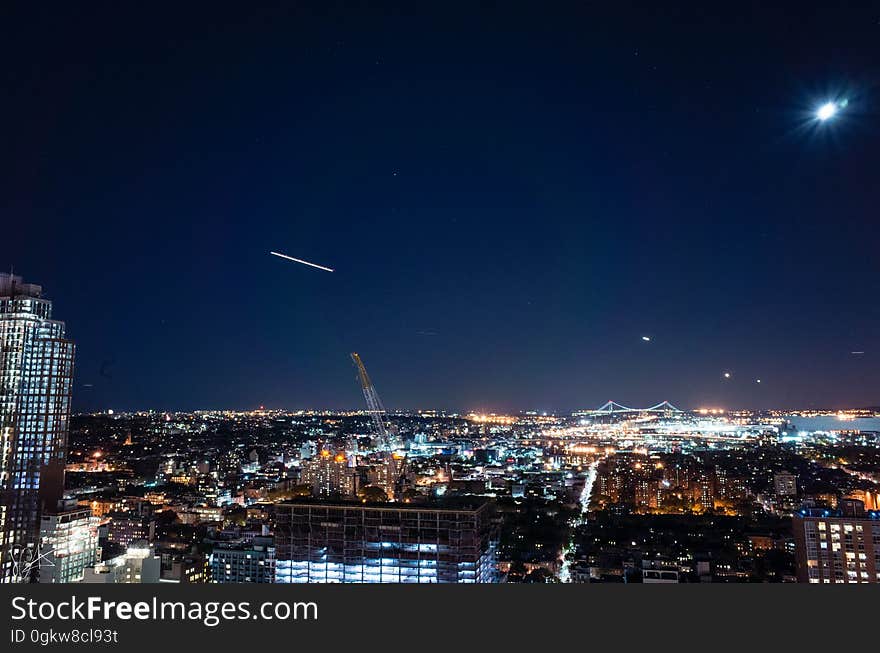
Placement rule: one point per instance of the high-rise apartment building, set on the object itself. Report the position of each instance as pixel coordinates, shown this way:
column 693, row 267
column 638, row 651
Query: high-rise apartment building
column 124, row 528
column 706, row 485
column 329, row 475
column 450, row 542
column 69, row 543
column 838, row 546
column 390, row 475
column 36, row 375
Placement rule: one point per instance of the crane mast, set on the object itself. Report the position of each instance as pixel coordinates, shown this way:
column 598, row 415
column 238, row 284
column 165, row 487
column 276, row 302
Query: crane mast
column 374, row 403
column 385, row 431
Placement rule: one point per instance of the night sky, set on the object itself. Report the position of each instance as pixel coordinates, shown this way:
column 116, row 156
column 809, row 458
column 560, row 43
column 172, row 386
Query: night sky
column 511, row 197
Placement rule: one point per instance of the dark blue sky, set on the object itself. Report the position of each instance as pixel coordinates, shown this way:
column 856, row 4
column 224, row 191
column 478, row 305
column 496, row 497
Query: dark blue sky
column 512, row 195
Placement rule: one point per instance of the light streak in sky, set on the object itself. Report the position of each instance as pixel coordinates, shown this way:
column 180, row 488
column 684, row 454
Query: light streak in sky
column 297, row 260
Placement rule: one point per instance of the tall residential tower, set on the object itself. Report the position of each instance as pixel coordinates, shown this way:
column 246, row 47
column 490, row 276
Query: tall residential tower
column 36, row 375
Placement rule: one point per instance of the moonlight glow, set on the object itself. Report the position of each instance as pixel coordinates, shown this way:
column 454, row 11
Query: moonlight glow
column 827, row 111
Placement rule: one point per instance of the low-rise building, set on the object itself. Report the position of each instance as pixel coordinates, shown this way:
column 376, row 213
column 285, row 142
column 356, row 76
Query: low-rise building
column 139, row 564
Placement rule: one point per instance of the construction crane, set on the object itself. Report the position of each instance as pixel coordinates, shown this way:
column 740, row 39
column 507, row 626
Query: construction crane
column 385, row 431
column 374, row 404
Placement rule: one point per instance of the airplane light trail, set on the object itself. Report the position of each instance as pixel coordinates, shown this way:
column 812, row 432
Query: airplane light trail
column 297, row 260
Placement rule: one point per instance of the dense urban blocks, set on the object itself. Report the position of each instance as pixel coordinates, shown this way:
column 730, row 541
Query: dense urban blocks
column 274, row 496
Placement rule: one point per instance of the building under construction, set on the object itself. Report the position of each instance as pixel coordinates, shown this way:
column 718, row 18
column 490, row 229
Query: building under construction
column 347, row 542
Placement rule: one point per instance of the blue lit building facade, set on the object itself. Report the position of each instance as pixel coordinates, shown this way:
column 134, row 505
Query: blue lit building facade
column 36, row 375
column 388, row 543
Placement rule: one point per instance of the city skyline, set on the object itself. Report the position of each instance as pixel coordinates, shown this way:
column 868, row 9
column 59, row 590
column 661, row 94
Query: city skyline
column 522, row 211
column 36, row 292
column 612, row 495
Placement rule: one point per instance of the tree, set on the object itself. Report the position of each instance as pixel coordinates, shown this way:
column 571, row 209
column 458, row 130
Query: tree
column 539, row 575
column 517, row 572
column 372, row 494
column 410, row 494
column 302, row 490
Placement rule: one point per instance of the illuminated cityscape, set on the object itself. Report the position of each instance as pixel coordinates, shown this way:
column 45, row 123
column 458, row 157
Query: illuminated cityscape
column 611, row 494
column 650, row 495
column 494, row 294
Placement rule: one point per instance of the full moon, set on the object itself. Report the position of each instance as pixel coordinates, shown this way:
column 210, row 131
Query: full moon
column 827, row 111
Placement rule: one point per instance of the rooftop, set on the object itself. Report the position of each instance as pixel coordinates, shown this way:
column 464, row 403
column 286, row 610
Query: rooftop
column 12, row 285
column 458, row 504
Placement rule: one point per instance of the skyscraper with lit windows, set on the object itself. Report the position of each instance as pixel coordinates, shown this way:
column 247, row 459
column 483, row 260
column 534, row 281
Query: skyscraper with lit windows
column 36, row 375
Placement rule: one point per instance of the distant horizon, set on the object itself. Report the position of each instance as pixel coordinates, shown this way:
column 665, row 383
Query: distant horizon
column 414, row 411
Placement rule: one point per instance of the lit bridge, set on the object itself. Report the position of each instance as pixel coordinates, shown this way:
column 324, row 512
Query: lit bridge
column 614, row 408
